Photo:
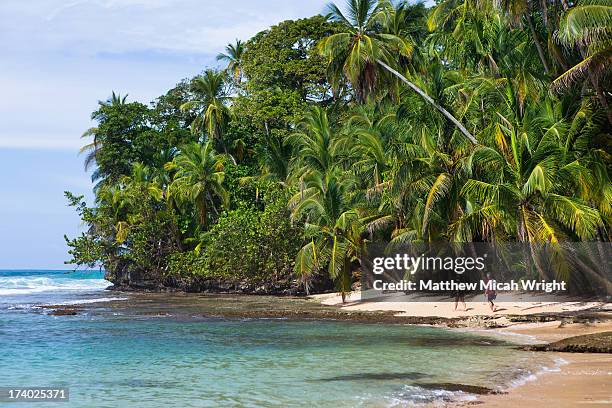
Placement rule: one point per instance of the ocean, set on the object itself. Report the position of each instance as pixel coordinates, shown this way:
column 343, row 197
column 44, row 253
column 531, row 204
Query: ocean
column 115, row 353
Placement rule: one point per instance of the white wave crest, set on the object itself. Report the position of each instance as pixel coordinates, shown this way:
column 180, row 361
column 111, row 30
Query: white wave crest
column 413, row 395
column 532, row 376
column 31, row 284
column 86, row 301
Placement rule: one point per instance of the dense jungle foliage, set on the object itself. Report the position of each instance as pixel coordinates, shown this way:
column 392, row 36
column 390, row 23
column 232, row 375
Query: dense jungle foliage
column 472, row 120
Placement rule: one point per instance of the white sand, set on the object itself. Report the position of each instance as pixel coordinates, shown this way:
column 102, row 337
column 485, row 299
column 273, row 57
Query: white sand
column 425, row 306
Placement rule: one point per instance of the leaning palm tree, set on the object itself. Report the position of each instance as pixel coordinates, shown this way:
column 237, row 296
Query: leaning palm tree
column 233, row 56
column 199, row 179
column 354, row 52
column 211, row 104
column 361, row 47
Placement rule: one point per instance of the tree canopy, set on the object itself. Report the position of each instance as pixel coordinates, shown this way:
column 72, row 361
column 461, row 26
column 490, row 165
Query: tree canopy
column 469, row 121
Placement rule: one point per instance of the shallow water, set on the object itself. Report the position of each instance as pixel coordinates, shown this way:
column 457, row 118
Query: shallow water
column 114, row 355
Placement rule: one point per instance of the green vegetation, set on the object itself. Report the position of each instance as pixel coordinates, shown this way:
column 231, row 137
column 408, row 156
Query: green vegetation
column 468, row 121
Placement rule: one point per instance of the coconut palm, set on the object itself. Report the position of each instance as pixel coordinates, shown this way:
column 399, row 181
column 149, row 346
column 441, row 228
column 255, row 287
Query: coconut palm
column 92, row 149
column 528, row 184
column 233, row 56
column 199, row 179
column 274, row 157
column 356, row 52
column 366, row 138
column 117, row 203
column 211, row 107
column 314, row 144
column 525, row 10
column 464, row 33
column 588, row 25
column 333, row 228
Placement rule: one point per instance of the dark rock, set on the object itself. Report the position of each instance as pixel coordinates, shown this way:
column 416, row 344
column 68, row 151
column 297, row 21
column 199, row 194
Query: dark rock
column 60, row 310
column 64, row 312
column 588, row 343
column 454, row 387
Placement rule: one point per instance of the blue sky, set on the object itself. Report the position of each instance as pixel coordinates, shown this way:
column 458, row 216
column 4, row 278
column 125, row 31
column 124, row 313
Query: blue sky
column 59, row 58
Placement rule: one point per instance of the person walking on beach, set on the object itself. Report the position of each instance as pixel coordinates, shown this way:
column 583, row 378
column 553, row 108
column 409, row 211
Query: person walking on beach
column 460, row 297
column 490, row 292
column 460, row 294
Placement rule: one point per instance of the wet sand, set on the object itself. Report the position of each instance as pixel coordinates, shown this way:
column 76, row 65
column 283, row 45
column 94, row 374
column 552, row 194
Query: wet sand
column 586, row 380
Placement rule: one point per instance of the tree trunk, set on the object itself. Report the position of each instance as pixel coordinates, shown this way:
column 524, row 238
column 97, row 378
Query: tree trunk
column 601, row 97
column 536, row 41
column 431, row 101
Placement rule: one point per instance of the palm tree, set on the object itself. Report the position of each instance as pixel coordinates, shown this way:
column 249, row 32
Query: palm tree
column 525, row 10
column 144, row 183
column 332, row 225
column 421, row 198
column 365, row 141
column 464, row 32
column 588, row 25
column 213, row 113
column 117, row 203
column 408, row 21
column 528, row 184
column 92, row 149
column 199, row 179
column 314, row 143
column 233, row 56
column 357, row 50
column 274, row 157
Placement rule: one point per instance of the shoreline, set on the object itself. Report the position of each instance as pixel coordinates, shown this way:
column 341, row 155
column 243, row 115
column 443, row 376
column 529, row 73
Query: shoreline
column 584, row 379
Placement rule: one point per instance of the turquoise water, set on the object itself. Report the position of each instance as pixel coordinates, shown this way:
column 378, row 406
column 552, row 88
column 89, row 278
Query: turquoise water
column 111, row 358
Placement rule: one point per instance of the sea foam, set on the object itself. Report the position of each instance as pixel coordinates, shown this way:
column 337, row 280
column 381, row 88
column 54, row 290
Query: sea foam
column 35, row 284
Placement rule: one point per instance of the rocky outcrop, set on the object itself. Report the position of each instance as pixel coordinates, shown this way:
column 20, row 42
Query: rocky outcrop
column 208, row 285
column 59, row 310
column 126, row 279
column 588, row 343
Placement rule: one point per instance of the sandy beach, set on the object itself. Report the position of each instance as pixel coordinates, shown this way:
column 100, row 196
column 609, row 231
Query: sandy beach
column 586, row 380
column 583, row 379
column 438, row 306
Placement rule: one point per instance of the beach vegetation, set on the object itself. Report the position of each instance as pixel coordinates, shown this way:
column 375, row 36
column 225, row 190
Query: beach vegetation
column 383, row 121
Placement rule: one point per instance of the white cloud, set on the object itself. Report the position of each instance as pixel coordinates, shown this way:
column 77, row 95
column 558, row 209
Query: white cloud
column 60, row 58
column 91, row 26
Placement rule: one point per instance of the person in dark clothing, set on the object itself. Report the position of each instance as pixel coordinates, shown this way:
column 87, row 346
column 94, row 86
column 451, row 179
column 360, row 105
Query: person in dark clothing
column 459, row 295
column 490, row 292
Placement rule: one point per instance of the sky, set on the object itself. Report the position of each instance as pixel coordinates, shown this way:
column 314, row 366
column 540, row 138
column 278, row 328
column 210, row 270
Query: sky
column 59, row 57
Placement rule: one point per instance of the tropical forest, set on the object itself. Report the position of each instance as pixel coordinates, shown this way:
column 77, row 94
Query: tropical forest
column 376, row 121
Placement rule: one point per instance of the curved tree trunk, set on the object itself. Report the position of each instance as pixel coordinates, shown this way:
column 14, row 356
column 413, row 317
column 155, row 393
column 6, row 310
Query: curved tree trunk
column 431, row 101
